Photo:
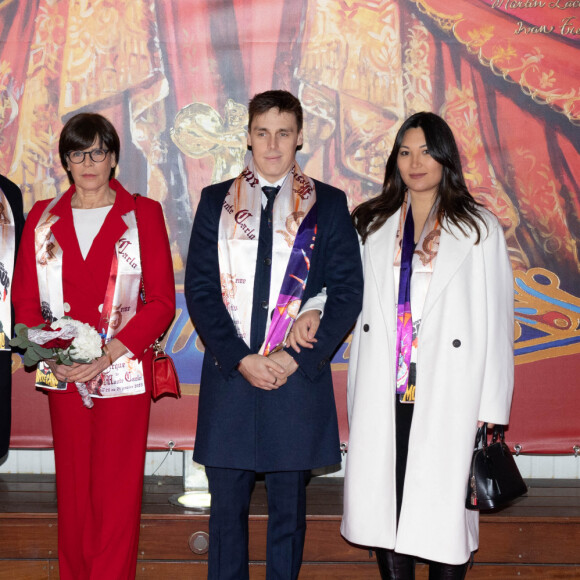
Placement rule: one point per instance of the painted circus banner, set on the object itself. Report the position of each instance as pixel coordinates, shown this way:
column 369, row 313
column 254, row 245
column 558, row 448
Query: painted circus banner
column 175, row 78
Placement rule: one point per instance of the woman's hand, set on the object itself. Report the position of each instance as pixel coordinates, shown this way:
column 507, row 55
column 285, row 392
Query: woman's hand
column 83, row 372
column 78, row 372
column 59, row 371
column 303, row 330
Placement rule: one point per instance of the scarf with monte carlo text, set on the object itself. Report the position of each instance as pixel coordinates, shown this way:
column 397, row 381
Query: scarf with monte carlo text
column 293, row 236
column 413, row 267
column 7, row 249
column 125, row 375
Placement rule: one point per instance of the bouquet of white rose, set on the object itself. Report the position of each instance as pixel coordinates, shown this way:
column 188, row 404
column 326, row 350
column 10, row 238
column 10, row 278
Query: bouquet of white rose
column 65, row 341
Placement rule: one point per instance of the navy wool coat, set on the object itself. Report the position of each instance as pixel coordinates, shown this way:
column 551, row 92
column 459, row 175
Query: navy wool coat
column 294, row 427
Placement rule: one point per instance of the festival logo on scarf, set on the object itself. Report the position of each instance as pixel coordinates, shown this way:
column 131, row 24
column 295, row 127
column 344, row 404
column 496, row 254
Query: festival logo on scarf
column 116, row 317
column 4, row 221
column 4, row 282
column 229, row 284
column 45, row 378
column 293, row 222
column 429, row 248
column 46, row 312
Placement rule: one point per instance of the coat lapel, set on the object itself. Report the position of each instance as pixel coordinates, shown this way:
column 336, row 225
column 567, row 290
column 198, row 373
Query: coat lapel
column 64, row 230
column 454, row 247
column 97, row 265
column 381, row 252
column 99, row 257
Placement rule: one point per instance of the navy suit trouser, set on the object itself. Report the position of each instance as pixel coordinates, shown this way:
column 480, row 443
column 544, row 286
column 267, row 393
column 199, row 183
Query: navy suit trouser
column 231, row 490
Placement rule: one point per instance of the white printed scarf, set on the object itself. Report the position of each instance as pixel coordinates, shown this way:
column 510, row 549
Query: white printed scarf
column 125, row 375
column 293, row 224
column 7, row 249
column 409, row 314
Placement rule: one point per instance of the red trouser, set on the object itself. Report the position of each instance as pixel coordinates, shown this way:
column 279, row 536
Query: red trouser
column 100, row 460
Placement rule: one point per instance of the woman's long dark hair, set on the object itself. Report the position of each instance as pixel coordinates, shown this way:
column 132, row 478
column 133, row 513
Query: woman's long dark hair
column 455, row 202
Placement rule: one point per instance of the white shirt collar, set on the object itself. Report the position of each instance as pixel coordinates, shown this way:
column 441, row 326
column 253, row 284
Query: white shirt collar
column 264, row 182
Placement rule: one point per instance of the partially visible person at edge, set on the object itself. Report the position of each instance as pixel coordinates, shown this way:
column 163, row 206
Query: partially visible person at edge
column 431, row 358
column 261, row 244
column 95, row 243
column 11, row 224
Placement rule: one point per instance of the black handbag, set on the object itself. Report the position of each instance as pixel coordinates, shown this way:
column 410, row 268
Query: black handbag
column 494, row 478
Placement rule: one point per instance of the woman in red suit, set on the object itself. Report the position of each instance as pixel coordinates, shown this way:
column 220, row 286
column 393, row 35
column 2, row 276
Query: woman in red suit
column 83, row 255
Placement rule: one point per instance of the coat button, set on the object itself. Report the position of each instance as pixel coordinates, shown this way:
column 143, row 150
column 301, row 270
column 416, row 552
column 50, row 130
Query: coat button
column 456, row 343
column 366, row 327
column 322, row 364
column 264, row 304
column 66, row 307
column 268, row 261
column 100, row 308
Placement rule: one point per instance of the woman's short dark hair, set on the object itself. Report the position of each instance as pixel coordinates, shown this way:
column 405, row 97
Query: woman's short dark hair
column 284, row 101
column 455, row 202
column 80, row 133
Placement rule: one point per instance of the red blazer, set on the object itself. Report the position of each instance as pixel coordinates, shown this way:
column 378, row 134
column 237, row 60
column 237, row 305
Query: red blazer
column 85, row 281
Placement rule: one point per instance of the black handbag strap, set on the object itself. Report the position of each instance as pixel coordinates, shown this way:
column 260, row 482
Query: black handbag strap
column 498, row 433
column 481, row 435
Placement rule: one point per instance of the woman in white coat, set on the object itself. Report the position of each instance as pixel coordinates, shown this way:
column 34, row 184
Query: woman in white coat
column 431, row 357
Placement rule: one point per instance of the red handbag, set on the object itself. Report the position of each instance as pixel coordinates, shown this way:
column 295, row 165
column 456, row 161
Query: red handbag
column 165, row 379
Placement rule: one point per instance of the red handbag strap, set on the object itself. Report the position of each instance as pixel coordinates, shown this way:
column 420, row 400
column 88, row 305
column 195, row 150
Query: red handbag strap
column 158, row 349
column 143, row 295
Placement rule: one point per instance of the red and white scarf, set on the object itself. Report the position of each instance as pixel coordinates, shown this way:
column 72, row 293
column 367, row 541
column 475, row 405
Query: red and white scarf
column 238, row 235
column 125, row 375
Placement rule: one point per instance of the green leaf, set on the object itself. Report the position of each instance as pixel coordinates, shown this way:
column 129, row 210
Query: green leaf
column 41, row 351
column 18, row 342
column 64, row 359
column 27, row 362
column 21, row 330
column 30, row 358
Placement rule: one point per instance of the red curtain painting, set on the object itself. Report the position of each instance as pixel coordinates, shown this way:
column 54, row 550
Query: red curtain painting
column 175, row 77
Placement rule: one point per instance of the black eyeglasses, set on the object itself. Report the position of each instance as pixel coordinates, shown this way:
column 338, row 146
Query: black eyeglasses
column 96, row 155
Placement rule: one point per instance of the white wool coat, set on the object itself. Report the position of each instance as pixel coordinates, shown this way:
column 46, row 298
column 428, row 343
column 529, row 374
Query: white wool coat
column 465, row 371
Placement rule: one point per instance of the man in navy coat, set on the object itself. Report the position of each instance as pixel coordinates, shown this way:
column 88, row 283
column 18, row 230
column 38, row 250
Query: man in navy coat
column 263, row 408
column 13, row 196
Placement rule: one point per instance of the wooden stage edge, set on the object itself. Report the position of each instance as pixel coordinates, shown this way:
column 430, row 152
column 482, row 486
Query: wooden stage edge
column 536, row 537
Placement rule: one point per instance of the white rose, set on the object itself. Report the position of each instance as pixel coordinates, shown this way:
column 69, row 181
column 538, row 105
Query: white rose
column 86, row 347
